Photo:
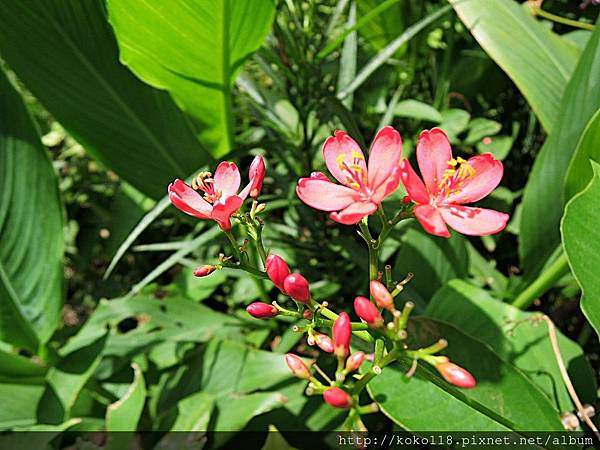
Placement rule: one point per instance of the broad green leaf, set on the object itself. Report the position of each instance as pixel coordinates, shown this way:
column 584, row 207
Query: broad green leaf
column 154, row 321
column 432, row 260
column 230, row 373
column 197, row 54
column 36, row 436
column 504, row 398
column 66, row 54
column 123, row 415
column 581, row 242
column 454, row 121
column 17, row 368
column 525, row 344
column 480, row 128
column 381, row 29
column 580, row 171
column 65, row 381
column 415, row 109
column 23, row 400
column 538, row 61
column 31, row 256
column 543, row 199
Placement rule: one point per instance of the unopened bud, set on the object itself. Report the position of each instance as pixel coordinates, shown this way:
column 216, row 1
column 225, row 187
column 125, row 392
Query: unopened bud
column 260, row 208
column 338, row 398
column 307, row 314
column 382, row 296
column 277, row 270
column 296, row 286
column 367, row 311
column 257, row 176
column 297, row 366
column 261, row 310
column 324, row 342
column 342, row 333
column 203, row 271
column 354, row 361
column 455, row 374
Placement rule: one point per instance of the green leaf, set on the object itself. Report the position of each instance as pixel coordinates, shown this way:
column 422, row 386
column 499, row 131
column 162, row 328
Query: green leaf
column 16, row 368
column 480, row 128
column 383, row 28
column 504, row 398
column 124, row 414
column 31, row 256
column 23, row 400
column 170, row 319
column 543, row 199
column 67, row 379
column 197, row 54
column 499, row 146
column 454, row 121
column 580, row 171
column 432, row 260
column 230, row 373
column 65, row 53
column 525, row 344
column 538, row 61
column 581, row 241
column 415, row 109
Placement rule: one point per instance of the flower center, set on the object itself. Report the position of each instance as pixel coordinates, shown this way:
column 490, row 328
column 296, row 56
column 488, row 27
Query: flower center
column 458, row 171
column 206, row 183
column 356, row 175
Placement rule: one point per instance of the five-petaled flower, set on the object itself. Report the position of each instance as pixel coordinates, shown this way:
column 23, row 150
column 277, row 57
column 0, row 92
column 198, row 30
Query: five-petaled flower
column 220, row 197
column 448, row 184
column 363, row 186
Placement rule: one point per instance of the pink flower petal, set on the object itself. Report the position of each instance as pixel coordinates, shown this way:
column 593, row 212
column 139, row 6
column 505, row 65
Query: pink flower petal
column 431, row 220
column 433, row 154
column 473, row 221
column 188, row 200
column 354, row 213
column 413, row 184
column 256, row 175
column 319, row 176
column 342, row 144
column 488, row 173
column 222, row 212
column 388, row 186
column 384, row 156
column 325, row 195
column 227, row 179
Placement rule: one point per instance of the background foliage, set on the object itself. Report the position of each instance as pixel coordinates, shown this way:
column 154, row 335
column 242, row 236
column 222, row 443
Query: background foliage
column 102, row 104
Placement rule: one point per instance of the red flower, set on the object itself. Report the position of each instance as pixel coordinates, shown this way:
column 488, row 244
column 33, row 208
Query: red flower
column 277, row 269
column 367, row 311
column 342, row 333
column 338, row 398
column 382, row 296
column 363, row 188
column 296, row 286
column 261, row 310
column 455, row 374
column 220, row 199
column 297, row 366
column 448, row 184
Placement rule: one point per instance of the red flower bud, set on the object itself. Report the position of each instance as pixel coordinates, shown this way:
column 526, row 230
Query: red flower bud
column 367, row 311
column 203, row 271
column 277, row 270
column 455, row 374
column 338, row 398
column 354, row 361
column 261, row 310
column 342, row 333
column 296, row 286
column 307, row 314
column 297, row 366
column 257, row 176
column 324, row 342
column 382, row 296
